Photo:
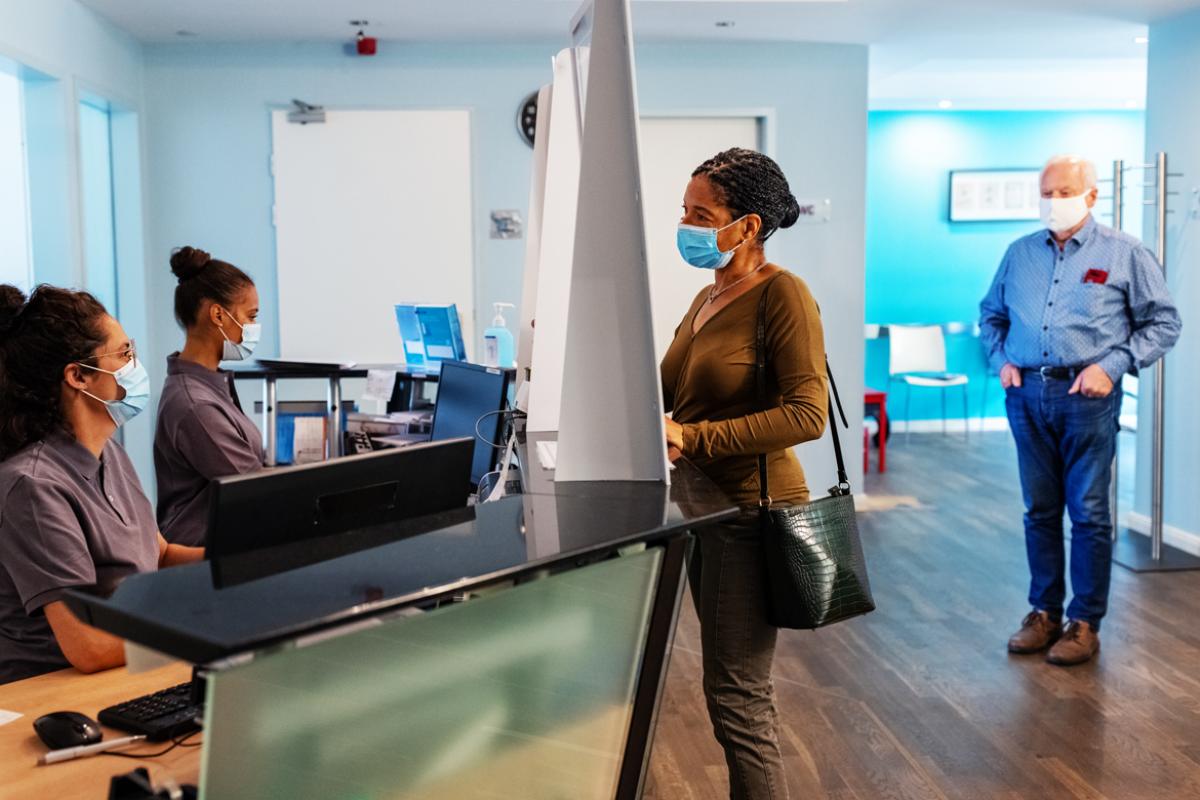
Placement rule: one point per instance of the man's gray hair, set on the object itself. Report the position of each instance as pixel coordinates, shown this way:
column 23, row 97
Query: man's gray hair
column 1086, row 168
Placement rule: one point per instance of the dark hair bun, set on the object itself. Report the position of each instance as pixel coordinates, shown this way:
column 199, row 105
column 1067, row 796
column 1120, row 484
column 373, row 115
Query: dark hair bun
column 791, row 213
column 748, row 182
column 186, row 262
column 12, row 302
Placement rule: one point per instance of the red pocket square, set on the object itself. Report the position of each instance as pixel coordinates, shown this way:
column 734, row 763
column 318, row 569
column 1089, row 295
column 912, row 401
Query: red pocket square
column 1096, row 276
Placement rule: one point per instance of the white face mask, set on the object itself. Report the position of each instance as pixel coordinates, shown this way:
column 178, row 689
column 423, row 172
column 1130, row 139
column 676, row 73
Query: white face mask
column 240, row 351
column 1063, row 213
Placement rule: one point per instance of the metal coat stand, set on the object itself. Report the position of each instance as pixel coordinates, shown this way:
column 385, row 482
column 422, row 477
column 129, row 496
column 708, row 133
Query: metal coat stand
column 1131, row 549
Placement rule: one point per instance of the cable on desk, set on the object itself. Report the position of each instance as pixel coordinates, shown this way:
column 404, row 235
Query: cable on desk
column 181, row 741
column 506, row 446
column 512, row 413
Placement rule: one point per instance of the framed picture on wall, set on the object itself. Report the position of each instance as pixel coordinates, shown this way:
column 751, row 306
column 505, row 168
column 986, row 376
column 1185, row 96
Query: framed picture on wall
column 992, row 195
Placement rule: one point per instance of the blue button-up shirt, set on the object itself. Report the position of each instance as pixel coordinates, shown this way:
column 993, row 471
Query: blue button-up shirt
column 1040, row 310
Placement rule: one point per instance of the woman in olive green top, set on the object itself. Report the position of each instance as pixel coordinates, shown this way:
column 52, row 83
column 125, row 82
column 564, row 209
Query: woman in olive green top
column 733, row 203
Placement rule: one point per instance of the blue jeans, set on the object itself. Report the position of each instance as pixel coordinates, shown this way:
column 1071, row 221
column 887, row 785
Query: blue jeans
column 1065, row 446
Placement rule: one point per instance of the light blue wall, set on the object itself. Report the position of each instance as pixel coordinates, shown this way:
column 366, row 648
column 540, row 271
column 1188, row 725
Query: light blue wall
column 921, row 267
column 1172, row 120
column 14, row 194
column 68, row 41
column 54, row 235
column 208, row 144
column 67, row 53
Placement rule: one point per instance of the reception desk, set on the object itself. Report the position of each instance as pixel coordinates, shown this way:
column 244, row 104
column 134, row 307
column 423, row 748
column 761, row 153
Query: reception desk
column 513, row 649
column 84, row 778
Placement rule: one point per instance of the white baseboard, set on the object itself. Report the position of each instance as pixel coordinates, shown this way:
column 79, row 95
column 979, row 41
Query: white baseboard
column 952, row 425
column 1186, row 541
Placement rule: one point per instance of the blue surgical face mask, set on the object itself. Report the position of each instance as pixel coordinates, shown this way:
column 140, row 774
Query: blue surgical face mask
column 240, row 351
column 698, row 246
column 134, row 379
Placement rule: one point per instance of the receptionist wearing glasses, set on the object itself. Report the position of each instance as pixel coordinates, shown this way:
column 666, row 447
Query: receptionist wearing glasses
column 72, row 511
column 202, row 431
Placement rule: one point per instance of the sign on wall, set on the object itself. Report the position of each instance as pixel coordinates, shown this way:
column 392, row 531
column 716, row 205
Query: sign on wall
column 814, row 211
column 990, row 195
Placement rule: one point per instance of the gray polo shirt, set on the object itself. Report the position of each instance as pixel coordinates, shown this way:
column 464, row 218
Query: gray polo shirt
column 202, row 434
column 66, row 519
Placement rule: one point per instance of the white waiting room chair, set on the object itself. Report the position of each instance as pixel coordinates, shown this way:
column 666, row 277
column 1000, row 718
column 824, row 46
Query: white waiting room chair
column 917, row 358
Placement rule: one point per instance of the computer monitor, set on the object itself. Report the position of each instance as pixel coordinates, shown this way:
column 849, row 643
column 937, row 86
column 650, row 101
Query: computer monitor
column 289, row 505
column 466, row 394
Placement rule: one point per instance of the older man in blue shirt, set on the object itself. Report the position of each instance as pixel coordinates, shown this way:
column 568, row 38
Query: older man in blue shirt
column 1072, row 308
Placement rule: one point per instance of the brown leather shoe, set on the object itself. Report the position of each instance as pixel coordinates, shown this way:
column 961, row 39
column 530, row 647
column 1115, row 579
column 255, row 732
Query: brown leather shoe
column 1078, row 644
column 1038, row 631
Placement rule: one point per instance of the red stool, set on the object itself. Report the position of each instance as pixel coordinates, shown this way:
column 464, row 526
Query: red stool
column 874, row 397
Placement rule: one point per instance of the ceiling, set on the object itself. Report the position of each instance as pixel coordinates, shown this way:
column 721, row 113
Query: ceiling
column 979, row 53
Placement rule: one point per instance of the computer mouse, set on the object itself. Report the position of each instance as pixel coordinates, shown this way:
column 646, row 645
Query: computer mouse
column 67, row 729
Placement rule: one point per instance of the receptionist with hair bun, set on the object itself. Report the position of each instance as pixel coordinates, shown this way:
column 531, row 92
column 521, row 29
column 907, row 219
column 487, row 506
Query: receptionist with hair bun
column 202, row 431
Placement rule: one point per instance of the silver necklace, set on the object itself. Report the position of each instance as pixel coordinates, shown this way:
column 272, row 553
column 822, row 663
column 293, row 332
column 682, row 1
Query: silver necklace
column 713, row 294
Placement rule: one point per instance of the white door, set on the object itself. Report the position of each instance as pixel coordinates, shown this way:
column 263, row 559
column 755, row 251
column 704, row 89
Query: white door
column 372, row 208
column 671, row 148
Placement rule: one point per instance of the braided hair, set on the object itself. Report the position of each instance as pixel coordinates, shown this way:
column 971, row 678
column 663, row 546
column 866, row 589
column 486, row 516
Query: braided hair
column 748, row 182
column 38, row 339
column 202, row 277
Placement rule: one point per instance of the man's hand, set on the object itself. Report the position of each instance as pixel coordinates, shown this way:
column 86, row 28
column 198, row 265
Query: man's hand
column 1010, row 375
column 1092, row 382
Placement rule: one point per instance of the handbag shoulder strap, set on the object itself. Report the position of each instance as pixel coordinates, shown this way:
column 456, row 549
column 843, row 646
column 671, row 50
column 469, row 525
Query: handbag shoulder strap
column 760, row 370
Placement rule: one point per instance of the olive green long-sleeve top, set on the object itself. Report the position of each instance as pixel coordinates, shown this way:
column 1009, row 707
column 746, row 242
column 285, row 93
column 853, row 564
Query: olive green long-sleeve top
column 710, row 388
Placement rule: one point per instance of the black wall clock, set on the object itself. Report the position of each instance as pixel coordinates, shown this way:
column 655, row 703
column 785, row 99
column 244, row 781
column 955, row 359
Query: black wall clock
column 527, row 118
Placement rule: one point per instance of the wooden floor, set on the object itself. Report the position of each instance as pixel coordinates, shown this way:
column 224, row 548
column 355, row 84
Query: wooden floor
column 921, row 700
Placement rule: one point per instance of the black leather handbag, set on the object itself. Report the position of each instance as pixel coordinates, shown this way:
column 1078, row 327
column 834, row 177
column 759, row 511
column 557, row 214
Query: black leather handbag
column 816, row 572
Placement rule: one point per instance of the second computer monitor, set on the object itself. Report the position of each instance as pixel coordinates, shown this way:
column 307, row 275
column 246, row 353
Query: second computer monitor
column 469, row 401
column 291, row 505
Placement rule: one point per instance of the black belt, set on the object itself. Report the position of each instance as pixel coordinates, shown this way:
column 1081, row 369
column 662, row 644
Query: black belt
column 1055, row 373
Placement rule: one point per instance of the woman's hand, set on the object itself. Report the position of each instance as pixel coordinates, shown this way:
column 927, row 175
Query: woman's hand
column 674, row 434
column 170, row 555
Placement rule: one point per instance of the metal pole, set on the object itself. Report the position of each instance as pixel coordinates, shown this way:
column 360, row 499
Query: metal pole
column 1117, row 220
column 270, row 420
column 334, row 431
column 1156, row 466
column 1118, row 192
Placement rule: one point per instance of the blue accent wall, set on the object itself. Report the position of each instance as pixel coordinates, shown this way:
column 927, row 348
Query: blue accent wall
column 922, row 268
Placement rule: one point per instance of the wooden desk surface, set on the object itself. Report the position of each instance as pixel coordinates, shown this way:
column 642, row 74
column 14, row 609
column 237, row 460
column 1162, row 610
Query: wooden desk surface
column 86, row 778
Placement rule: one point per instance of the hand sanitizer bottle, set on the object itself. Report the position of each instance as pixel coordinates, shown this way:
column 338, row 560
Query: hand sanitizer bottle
column 498, row 347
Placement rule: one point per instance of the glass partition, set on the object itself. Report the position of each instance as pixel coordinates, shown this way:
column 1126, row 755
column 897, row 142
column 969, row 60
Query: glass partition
column 524, row 691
